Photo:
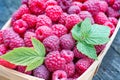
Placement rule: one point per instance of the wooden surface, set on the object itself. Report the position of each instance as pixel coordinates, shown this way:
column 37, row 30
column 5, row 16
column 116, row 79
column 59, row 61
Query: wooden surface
column 110, row 67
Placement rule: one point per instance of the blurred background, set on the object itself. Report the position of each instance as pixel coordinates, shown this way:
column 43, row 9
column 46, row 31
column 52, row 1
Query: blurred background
column 110, row 67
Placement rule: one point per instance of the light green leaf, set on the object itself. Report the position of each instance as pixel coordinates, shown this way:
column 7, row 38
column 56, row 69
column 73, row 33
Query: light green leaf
column 87, row 49
column 35, row 64
column 99, row 34
column 39, row 47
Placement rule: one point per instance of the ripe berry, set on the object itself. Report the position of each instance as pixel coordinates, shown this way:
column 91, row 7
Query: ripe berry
column 20, row 26
column 81, row 0
column 51, row 43
column 113, row 20
column 67, row 42
column 74, row 10
column 110, row 2
column 41, row 72
column 43, row 20
column 116, row 5
column 3, row 49
column 36, row 6
column 63, row 18
column 50, row 3
column 27, row 38
column 30, row 20
column 72, row 20
column 54, row 12
column 59, row 30
column 59, row 75
column 42, row 32
column 54, row 61
column 1, row 37
column 75, row 3
column 24, row 2
column 99, row 48
column 22, row 69
column 67, row 55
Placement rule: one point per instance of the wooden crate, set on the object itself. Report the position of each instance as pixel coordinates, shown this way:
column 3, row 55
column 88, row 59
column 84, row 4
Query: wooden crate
column 8, row 74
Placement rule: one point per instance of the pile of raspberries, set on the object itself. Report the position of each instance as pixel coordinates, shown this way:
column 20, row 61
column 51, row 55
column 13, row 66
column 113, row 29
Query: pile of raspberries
column 51, row 21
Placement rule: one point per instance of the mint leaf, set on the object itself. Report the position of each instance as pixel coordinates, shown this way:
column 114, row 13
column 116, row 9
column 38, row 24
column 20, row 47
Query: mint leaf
column 87, row 49
column 98, row 35
column 38, row 46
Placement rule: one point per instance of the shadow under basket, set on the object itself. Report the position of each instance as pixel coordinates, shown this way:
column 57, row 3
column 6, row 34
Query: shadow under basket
column 9, row 74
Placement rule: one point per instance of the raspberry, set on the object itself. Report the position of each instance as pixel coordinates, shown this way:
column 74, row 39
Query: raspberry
column 1, row 37
column 67, row 42
column 20, row 26
column 110, row 2
column 113, row 20
column 54, row 61
column 18, row 14
column 27, row 38
column 50, row 3
column 31, row 30
column 59, row 75
column 67, row 55
column 112, row 13
column 64, row 4
column 43, row 20
column 30, row 20
column 63, row 18
column 74, row 10
column 69, row 69
column 41, row 72
column 59, row 30
column 22, row 69
column 116, row 5
column 24, row 2
column 7, row 64
column 100, row 18
column 81, row 0
column 3, row 49
column 86, row 14
column 82, row 65
column 12, row 39
column 75, row 3
column 36, row 6
column 72, row 20
column 111, row 26
column 42, row 32
column 99, row 48
column 54, row 12
column 71, row 79
column 78, row 54
column 51, row 43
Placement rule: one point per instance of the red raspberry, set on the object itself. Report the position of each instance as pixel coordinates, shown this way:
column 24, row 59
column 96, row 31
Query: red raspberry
column 100, row 18
column 81, row 0
column 42, row 32
column 3, row 49
column 111, row 26
column 113, row 20
column 110, row 2
column 82, row 65
column 67, row 42
column 24, row 2
column 112, row 13
column 78, row 54
column 27, row 38
column 7, row 64
column 54, row 61
column 59, row 30
column 51, row 43
column 22, row 69
column 74, row 10
column 86, row 14
column 72, row 20
column 75, row 3
column 1, row 37
column 20, row 26
column 18, row 14
column 43, row 20
column 59, row 75
column 99, row 48
column 67, row 55
column 31, row 30
column 12, row 39
column 37, row 6
column 30, row 19
column 41, row 72
column 54, row 12
column 69, row 69
column 63, row 18
column 50, row 3
column 116, row 5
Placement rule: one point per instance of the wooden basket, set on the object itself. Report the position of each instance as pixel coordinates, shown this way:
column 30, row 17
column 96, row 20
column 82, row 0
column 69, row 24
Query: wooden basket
column 8, row 74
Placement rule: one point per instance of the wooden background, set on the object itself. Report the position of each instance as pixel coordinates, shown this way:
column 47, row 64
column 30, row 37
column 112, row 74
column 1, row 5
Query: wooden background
column 110, row 67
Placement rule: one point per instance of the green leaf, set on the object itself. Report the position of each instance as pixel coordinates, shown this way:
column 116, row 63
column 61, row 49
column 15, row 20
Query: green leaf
column 98, row 35
column 35, row 64
column 39, row 47
column 87, row 49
